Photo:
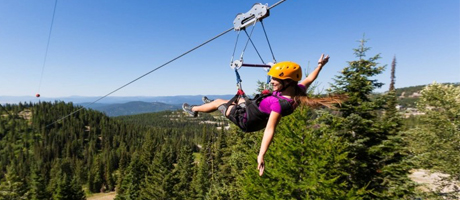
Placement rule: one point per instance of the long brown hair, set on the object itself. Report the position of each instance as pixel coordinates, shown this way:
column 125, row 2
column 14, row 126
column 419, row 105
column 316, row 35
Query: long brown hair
column 301, row 99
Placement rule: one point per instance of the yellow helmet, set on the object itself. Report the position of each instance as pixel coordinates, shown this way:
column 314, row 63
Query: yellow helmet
column 286, row 70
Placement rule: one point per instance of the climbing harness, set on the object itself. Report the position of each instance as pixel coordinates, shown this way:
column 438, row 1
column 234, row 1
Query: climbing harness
column 248, row 117
column 245, row 20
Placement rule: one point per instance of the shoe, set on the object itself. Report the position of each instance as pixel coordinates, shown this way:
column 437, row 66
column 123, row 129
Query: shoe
column 206, row 100
column 188, row 109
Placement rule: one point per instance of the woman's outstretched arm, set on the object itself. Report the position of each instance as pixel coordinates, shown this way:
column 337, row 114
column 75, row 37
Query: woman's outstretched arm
column 266, row 140
column 312, row 76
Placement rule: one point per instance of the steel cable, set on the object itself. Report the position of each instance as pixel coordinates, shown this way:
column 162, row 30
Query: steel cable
column 47, row 47
column 170, row 61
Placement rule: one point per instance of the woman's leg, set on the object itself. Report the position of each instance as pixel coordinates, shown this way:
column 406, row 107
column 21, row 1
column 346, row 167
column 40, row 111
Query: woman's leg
column 209, row 107
column 214, row 105
column 218, row 104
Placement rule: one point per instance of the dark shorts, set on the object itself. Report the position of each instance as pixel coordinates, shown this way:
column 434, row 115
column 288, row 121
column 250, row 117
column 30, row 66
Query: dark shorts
column 223, row 108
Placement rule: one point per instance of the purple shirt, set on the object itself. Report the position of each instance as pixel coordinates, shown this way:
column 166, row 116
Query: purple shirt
column 271, row 103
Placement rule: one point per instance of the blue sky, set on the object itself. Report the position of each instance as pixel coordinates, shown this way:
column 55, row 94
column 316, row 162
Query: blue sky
column 97, row 46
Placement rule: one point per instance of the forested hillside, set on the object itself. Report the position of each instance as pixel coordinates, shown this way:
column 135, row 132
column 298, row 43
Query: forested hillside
column 85, row 151
column 407, row 96
column 361, row 149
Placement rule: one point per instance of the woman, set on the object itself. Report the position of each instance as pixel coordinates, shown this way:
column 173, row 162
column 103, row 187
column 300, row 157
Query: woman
column 286, row 88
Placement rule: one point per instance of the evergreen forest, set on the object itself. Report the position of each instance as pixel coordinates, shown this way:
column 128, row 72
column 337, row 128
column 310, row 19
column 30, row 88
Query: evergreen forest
column 361, row 149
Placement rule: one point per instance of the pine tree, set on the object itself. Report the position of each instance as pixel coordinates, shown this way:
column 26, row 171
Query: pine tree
column 184, row 175
column 222, row 177
column 392, row 155
column 359, row 115
column 373, row 141
column 131, row 183
column 13, row 186
column 222, row 155
column 160, row 178
column 64, row 184
column 38, row 184
column 95, row 176
column 436, row 140
column 202, row 180
column 69, row 189
column 235, row 149
column 393, row 76
column 76, row 189
column 63, row 189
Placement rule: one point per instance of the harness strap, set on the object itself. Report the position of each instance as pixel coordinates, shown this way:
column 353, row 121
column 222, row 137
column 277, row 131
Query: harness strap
column 236, row 98
column 238, row 80
column 286, row 107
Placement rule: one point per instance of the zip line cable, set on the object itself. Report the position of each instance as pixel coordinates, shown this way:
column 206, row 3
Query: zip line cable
column 47, row 47
column 276, row 4
column 170, row 61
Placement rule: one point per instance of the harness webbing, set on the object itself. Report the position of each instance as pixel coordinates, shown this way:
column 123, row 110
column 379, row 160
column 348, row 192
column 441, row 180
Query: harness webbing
column 238, row 79
column 249, row 117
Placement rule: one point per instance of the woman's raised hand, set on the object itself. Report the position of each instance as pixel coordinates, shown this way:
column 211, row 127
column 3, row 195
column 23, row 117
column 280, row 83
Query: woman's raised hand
column 323, row 60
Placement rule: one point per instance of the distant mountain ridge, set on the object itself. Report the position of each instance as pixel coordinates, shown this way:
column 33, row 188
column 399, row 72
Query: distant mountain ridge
column 135, row 107
column 140, row 107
